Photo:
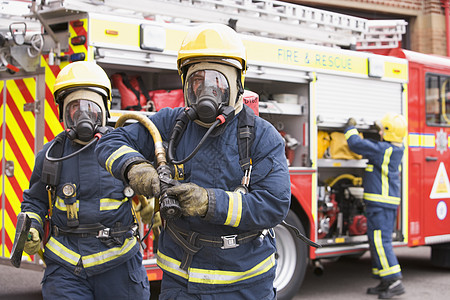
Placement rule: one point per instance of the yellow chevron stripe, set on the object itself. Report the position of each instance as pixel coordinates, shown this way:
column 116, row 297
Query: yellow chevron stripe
column 52, row 120
column 10, row 229
column 27, row 152
column 19, row 174
column 19, row 100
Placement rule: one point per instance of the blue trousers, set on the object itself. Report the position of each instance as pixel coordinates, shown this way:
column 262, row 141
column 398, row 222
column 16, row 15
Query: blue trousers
column 380, row 225
column 173, row 289
column 126, row 281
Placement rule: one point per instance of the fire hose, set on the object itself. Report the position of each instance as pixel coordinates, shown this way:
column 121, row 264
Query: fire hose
column 168, row 206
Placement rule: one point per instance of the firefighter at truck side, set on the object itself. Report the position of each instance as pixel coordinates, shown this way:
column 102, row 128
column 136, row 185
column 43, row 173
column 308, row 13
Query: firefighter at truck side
column 92, row 251
column 382, row 197
column 218, row 248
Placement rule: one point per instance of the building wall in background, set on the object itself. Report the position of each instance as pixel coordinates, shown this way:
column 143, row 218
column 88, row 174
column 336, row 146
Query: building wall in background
column 426, row 30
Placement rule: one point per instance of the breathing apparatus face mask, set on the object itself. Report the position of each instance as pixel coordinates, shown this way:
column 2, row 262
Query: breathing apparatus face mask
column 207, row 91
column 209, row 88
column 83, row 117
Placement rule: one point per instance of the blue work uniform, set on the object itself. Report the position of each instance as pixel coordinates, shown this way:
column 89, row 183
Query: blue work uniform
column 381, row 196
column 246, row 271
column 79, row 263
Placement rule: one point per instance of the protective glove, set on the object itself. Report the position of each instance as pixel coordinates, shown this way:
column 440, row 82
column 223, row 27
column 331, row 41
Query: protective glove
column 147, row 212
column 192, row 198
column 33, row 244
column 144, row 180
column 350, row 122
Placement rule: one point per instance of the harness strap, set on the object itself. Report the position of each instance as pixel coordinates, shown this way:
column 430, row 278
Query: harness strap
column 51, row 170
column 192, row 242
column 246, row 125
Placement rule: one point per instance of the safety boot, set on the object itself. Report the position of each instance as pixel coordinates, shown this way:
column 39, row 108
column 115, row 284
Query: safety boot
column 382, row 286
column 394, row 288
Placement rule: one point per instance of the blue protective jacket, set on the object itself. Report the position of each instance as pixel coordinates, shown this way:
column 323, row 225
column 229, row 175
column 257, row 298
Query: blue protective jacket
column 382, row 174
column 99, row 199
column 216, row 168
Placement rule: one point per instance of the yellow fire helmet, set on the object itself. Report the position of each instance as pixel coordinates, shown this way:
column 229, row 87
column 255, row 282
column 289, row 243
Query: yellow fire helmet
column 82, row 75
column 394, row 127
column 212, row 43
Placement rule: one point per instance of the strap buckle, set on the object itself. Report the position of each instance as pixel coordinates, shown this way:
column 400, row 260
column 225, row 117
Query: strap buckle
column 104, row 233
column 229, row 241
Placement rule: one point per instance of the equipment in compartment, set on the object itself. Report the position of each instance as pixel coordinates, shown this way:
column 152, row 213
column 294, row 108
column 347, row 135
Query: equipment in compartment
column 133, row 88
column 341, row 207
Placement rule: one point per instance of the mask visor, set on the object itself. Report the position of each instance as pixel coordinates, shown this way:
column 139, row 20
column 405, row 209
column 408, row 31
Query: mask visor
column 82, row 110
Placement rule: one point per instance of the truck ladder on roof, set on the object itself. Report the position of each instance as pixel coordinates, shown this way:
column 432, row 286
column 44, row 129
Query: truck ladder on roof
column 267, row 18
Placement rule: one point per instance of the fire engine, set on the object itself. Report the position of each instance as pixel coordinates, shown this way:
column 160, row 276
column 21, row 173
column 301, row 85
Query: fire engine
column 311, row 69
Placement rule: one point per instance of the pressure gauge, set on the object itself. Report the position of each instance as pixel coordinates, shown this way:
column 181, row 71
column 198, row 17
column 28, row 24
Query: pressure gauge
column 241, row 189
column 128, row 191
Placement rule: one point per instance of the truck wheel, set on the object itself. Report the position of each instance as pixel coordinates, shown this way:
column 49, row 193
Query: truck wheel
column 292, row 259
column 440, row 255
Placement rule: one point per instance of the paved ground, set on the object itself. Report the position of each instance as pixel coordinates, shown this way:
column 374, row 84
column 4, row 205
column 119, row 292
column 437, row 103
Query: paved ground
column 349, row 278
column 343, row 279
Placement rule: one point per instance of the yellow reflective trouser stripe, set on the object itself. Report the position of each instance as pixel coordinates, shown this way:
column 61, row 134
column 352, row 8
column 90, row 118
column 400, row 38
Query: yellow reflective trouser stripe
column 115, row 155
column 35, row 216
column 380, row 249
column 385, row 172
column 392, row 270
column 110, row 204
column 380, row 198
column 351, row 132
column 206, row 276
column 234, row 209
column 90, row 260
column 387, row 270
column 59, row 204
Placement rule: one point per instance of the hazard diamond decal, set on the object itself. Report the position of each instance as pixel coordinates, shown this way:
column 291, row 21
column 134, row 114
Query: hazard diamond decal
column 441, row 185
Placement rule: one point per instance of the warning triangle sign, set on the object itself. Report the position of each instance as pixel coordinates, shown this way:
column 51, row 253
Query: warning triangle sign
column 441, row 185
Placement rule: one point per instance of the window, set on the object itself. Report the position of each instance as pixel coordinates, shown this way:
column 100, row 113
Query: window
column 437, row 100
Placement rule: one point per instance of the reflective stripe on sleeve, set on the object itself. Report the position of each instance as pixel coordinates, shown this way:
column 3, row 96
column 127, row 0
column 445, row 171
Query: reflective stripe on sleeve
column 351, row 132
column 115, row 155
column 234, row 209
column 206, row 276
column 34, row 216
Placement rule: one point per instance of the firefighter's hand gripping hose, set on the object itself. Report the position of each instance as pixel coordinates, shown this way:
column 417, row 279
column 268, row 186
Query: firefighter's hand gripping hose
column 168, row 206
column 193, row 199
column 144, row 180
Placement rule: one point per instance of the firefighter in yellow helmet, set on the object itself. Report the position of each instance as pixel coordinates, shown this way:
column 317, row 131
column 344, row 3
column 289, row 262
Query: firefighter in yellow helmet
column 222, row 244
column 91, row 251
column 382, row 196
